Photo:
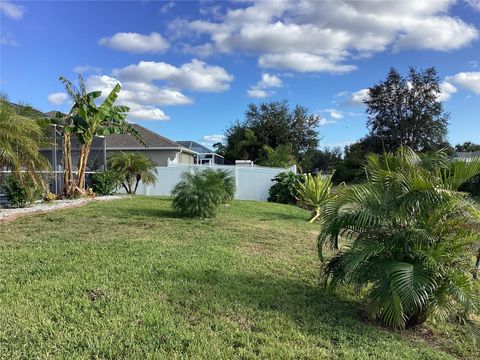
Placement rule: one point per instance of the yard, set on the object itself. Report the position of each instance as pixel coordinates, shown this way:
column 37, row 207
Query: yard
column 129, row 279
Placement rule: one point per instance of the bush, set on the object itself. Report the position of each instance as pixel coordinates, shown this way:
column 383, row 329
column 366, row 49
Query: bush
column 314, row 192
column 199, row 194
column 410, row 238
column 105, row 183
column 284, row 191
column 21, row 193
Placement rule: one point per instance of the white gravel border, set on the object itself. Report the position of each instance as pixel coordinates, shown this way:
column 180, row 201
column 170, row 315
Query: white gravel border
column 44, row 207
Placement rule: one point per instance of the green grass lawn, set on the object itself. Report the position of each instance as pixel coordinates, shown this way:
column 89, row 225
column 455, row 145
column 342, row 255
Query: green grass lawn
column 128, row 279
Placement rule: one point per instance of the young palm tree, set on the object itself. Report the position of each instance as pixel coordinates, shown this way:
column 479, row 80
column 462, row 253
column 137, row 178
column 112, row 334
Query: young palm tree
column 132, row 168
column 20, row 138
column 313, row 192
column 410, row 237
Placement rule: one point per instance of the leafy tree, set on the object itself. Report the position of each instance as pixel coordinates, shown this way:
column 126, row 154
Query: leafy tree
column 199, row 194
column 324, row 160
column 87, row 120
column 467, row 146
column 407, row 112
column 20, row 139
column 314, row 192
column 131, row 168
column 407, row 242
column 279, row 157
column 271, row 124
column 284, row 190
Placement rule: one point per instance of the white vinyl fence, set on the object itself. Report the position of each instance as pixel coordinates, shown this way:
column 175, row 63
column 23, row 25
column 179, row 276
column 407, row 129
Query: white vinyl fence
column 252, row 183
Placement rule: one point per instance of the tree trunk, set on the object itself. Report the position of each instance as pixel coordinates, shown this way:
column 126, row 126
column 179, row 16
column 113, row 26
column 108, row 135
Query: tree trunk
column 315, row 216
column 82, row 165
column 136, row 184
column 68, row 181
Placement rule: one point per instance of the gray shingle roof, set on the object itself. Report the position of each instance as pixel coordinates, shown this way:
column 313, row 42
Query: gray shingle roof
column 195, row 146
column 151, row 139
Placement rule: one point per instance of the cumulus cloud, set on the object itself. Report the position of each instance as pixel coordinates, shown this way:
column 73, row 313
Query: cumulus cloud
column 142, row 98
column 357, row 98
column 474, row 4
column 167, row 7
column 136, row 43
column 195, row 75
column 13, row 11
column 267, row 81
column 212, row 139
column 336, row 114
column 58, row 98
column 446, row 91
column 81, row 69
column 321, row 36
column 467, row 80
column 324, row 121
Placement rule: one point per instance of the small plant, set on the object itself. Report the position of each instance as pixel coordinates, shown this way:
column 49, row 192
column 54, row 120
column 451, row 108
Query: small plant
column 284, row 191
column 49, row 197
column 314, row 192
column 21, row 192
column 105, row 183
column 199, row 194
column 132, row 168
column 90, row 193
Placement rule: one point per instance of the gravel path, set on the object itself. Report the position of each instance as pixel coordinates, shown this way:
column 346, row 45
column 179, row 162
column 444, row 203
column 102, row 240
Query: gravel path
column 44, row 207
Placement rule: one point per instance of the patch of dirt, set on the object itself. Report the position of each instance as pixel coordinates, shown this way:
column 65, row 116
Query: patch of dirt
column 97, row 294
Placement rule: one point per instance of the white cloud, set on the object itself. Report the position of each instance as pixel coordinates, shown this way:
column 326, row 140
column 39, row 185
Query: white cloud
column 14, row 11
column 267, row 81
column 467, row 80
column 357, row 98
column 475, row 4
column 81, row 69
column 212, row 139
column 167, row 7
column 136, row 43
column 195, row 75
column 302, row 62
column 8, row 40
column 142, row 98
column 257, row 93
column 473, row 63
column 336, row 114
column 58, row 98
column 446, row 91
column 324, row 121
column 320, row 36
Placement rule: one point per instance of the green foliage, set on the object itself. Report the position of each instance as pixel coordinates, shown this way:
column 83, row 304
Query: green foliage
column 467, row 146
column 279, row 157
column 407, row 112
column 199, row 194
column 313, row 192
column 131, row 168
column 20, row 139
column 324, row 160
column 271, row 124
column 105, row 182
column 285, row 187
column 21, row 192
column 410, row 238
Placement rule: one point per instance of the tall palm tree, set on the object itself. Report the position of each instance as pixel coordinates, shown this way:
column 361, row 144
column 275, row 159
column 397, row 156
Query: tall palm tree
column 20, row 138
column 408, row 237
column 132, row 168
column 87, row 120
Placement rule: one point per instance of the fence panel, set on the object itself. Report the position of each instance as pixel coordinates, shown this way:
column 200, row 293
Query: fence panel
column 252, row 183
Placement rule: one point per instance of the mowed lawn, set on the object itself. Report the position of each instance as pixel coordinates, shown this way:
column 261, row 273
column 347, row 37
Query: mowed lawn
column 128, row 279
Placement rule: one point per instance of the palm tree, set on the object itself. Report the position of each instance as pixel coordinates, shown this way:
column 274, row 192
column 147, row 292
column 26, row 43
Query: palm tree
column 314, row 192
column 132, row 168
column 87, row 120
column 408, row 238
column 20, row 138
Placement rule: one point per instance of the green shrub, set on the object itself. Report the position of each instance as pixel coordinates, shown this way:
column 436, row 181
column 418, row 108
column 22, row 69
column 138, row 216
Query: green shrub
column 284, row 190
column 314, row 192
column 105, row 183
column 21, row 193
column 410, row 238
column 199, row 194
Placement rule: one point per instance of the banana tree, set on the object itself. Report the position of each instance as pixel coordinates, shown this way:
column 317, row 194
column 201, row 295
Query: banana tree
column 87, row 120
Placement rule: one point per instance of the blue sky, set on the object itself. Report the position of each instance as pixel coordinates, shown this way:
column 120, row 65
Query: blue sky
column 189, row 69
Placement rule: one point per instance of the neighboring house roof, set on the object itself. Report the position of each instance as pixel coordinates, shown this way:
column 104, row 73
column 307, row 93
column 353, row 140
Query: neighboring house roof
column 195, row 146
column 152, row 140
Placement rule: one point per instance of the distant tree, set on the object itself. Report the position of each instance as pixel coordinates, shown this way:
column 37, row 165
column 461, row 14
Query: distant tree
column 271, row 124
column 467, row 146
column 279, row 157
column 325, row 160
column 406, row 111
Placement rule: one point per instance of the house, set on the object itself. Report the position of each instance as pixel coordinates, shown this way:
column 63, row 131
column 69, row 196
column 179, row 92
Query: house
column 205, row 156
